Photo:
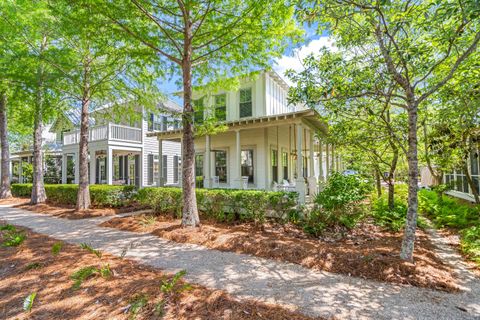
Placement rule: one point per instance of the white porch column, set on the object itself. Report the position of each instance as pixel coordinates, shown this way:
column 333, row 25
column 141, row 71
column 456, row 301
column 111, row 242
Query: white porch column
column 206, row 169
column 77, row 167
column 320, row 161
column 64, row 168
column 109, row 165
column 327, row 160
column 333, row 158
column 93, row 166
column 311, row 172
column 300, row 181
column 237, row 177
column 20, row 171
column 180, row 168
column 160, row 163
column 312, row 179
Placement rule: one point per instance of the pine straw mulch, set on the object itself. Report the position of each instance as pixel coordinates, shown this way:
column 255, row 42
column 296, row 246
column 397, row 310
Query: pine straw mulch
column 367, row 251
column 100, row 298
column 67, row 212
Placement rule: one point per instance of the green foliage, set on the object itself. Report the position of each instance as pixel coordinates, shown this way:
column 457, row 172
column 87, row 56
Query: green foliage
column 12, row 237
column 7, row 227
column 393, row 220
column 90, row 249
column 172, row 286
column 66, row 194
column 105, row 271
column 470, row 243
column 28, row 302
column 56, row 248
column 83, row 274
column 451, row 213
column 221, row 204
column 137, row 303
column 339, row 204
column 33, row 266
column 147, row 220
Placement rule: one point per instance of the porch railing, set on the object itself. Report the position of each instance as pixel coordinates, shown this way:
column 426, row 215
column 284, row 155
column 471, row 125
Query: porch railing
column 107, row 132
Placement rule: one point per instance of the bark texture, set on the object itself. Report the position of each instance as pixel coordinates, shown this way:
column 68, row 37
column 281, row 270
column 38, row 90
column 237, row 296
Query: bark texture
column 83, row 195
column 408, row 242
column 470, row 182
column 378, row 183
column 5, row 191
column 190, row 216
column 38, row 188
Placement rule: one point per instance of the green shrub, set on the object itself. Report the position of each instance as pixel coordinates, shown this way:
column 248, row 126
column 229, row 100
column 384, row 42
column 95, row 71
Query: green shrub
column 393, row 220
column 221, row 204
column 339, row 204
column 11, row 236
column 449, row 212
column 470, row 243
column 66, row 194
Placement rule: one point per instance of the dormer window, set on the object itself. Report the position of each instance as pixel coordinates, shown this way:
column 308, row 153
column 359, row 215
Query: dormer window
column 221, row 107
column 245, row 102
column 198, row 107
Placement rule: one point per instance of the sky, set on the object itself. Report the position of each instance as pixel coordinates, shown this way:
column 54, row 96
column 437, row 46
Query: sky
column 292, row 58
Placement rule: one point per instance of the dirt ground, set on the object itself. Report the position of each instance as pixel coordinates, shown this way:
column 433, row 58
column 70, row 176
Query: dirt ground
column 32, row 267
column 367, row 251
column 67, row 212
column 453, row 240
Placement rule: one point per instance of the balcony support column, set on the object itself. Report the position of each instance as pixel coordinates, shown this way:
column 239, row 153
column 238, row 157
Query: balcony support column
column 109, row 165
column 64, row 168
column 93, row 165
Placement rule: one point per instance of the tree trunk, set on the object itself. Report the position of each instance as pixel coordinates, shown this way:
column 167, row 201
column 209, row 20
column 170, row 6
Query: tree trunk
column 391, row 177
column 437, row 175
column 38, row 188
column 470, row 182
column 378, row 183
column 83, row 195
column 190, row 213
column 5, row 191
column 408, row 242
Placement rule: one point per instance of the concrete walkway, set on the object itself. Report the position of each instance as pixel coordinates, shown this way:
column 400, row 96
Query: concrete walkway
column 311, row 292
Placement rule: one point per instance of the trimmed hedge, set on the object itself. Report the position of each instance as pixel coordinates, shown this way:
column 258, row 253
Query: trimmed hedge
column 66, row 194
column 222, row 204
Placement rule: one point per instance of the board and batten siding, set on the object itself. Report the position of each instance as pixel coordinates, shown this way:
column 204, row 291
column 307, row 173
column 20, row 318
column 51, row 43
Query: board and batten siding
column 150, row 146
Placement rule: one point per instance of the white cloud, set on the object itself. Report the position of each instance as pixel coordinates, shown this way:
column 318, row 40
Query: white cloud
column 294, row 61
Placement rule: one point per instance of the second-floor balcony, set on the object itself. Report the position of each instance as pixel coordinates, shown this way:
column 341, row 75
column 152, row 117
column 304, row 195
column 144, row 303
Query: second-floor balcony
column 110, row 132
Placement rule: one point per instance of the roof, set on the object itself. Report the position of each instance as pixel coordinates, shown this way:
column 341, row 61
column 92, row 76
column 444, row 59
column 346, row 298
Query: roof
column 309, row 117
column 75, row 116
column 170, row 106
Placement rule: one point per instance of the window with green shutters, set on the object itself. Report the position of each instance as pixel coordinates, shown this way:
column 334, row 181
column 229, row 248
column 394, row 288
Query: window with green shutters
column 198, row 107
column 221, row 107
column 245, row 103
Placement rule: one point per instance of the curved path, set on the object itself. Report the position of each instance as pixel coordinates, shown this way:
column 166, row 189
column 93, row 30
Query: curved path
column 310, row 292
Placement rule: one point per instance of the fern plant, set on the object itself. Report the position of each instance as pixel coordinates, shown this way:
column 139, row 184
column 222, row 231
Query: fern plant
column 56, row 248
column 90, row 249
column 13, row 238
column 83, row 274
column 137, row 303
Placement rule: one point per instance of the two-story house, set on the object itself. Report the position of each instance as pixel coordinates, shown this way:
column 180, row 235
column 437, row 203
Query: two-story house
column 267, row 143
column 120, row 151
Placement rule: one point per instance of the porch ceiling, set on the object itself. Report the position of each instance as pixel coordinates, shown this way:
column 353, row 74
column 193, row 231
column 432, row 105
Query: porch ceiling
column 308, row 117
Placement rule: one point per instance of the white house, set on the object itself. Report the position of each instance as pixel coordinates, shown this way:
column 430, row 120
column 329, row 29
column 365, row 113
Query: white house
column 267, row 143
column 120, row 152
column 457, row 180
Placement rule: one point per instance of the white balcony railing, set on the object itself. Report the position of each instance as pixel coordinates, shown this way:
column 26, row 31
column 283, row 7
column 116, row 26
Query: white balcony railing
column 108, row 132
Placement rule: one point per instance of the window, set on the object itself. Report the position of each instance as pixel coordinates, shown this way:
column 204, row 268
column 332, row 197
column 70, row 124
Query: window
column 176, row 168
column 221, row 107
column 164, row 168
column 247, row 164
column 285, row 165
column 274, row 159
column 221, row 165
column 199, row 165
column 245, row 103
column 198, row 108
column 164, row 123
column 176, row 124
column 155, row 122
column 150, row 169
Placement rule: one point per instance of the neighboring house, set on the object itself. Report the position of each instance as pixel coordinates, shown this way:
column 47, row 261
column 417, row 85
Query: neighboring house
column 457, row 179
column 21, row 161
column 268, row 144
column 120, row 152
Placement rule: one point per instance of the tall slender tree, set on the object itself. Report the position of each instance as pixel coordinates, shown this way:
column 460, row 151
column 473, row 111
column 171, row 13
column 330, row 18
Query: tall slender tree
column 204, row 41
column 405, row 42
